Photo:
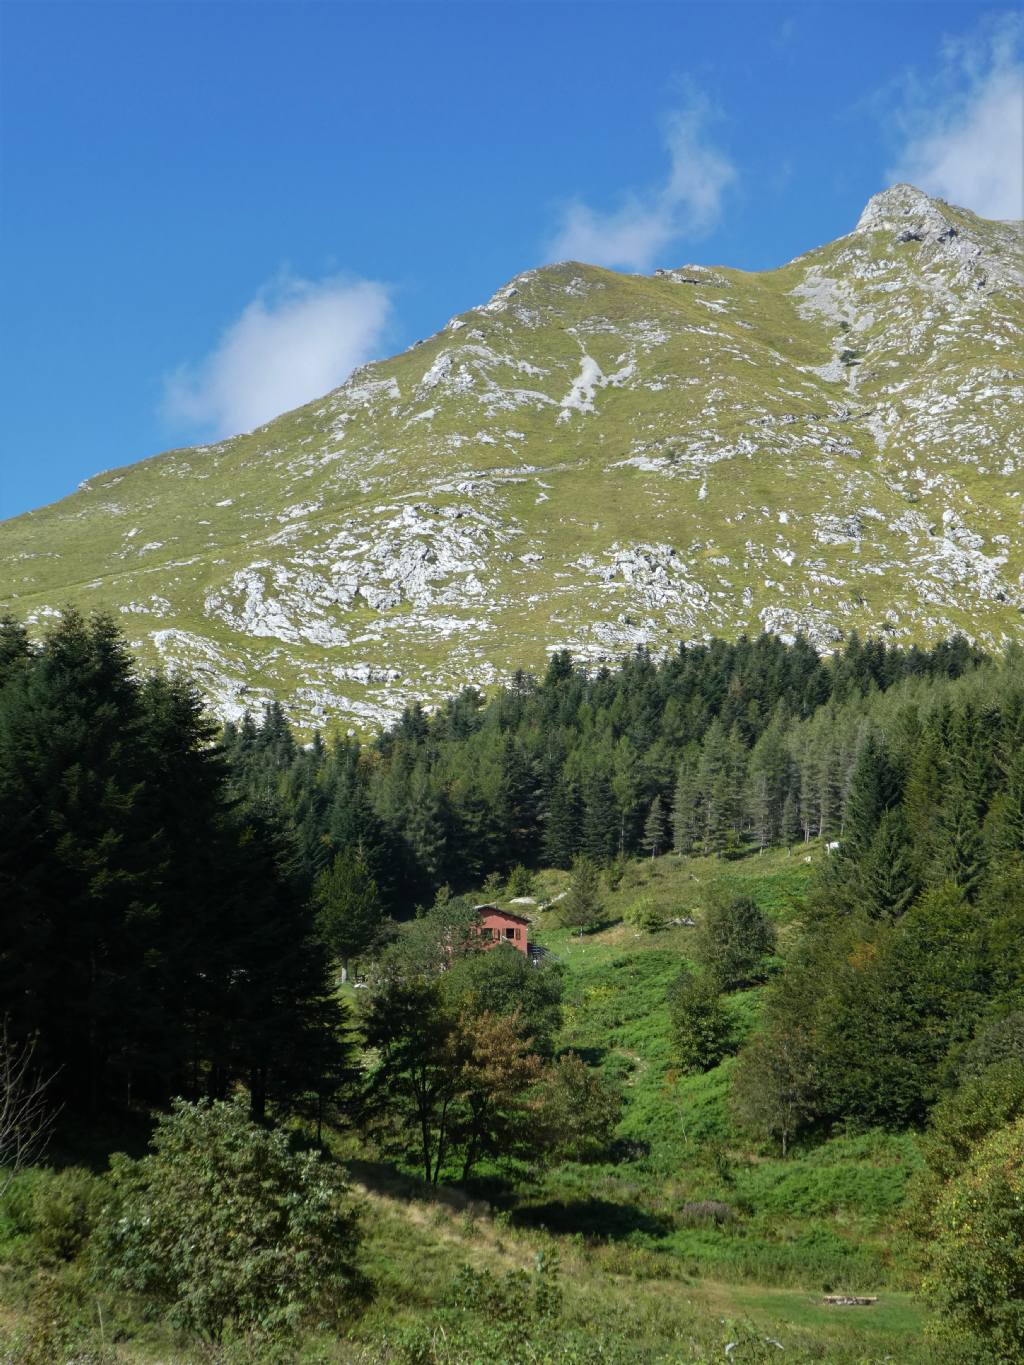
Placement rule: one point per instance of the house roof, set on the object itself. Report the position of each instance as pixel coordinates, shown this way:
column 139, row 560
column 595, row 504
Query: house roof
column 497, row 910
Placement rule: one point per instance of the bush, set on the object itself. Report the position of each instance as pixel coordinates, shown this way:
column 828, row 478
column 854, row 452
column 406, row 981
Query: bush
column 56, row 1210
column 702, row 1211
column 65, row 1210
column 732, row 942
column 998, row 1041
column 986, row 1101
column 701, row 1029
column 504, row 982
column 516, row 1298
column 644, row 914
column 576, row 1111
column 977, row 1249
column 520, row 882
column 224, row 1226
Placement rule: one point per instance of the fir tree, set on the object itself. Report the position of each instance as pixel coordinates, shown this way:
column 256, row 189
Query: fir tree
column 654, row 828
column 582, row 902
column 887, row 878
column 561, row 838
column 686, row 813
column 348, row 907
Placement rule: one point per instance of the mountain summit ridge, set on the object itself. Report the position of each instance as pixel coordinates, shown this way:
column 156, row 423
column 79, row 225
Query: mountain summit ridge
column 597, row 461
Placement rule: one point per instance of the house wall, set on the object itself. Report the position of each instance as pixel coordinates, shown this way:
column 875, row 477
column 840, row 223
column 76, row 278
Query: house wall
column 497, row 927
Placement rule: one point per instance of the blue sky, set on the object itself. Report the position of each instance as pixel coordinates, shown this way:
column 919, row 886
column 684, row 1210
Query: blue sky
column 212, row 211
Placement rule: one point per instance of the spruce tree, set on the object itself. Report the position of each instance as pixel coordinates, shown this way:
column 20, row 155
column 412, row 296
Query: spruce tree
column 582, row 903
column 654, row 828
column 561, row 837
column 686, row 811
column 348, row 907
column 887, row 878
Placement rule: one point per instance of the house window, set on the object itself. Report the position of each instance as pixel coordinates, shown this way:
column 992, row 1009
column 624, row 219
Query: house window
column 510, row 933
column 486, row 934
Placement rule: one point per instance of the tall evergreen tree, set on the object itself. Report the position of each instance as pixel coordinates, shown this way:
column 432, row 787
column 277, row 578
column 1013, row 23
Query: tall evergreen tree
column 600, row 833
column 889, row 885
column 686, row 808
column 654, row 828
column 349, row 911
column 561, row 839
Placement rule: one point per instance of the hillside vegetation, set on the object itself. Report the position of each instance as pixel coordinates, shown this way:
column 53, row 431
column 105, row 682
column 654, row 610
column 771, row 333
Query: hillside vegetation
column 774, row 1051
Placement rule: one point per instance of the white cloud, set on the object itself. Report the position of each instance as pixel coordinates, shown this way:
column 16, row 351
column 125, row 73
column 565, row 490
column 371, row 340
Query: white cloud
column 687, row 204
column 964, row 128
column 296, row 340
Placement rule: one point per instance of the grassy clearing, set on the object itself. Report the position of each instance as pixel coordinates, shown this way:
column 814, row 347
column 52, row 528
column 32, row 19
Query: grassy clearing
column 822, row 1219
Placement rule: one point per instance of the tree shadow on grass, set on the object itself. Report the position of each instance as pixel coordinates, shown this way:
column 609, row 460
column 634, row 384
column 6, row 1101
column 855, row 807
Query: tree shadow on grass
column 590, row 1056
column 474, row 1196
column 598, row 927
column 595, row 1219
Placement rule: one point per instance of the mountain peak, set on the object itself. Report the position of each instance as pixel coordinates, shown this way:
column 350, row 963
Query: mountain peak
column 908, row 212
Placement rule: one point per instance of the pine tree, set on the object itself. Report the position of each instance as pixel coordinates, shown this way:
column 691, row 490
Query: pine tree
column 561, row 824
column 722, row 808
column 600, row 835
column 686, row 808
column 582, row 903
column 349, row 911
column 790, row 821
column 654, row 828
column 769, row 781
column 927, row 777
column 964, row 849
column 71, row 882
column 15, row 650
column 1005, row 825
column 873, row 790
column 425, row 825
column 887, row 879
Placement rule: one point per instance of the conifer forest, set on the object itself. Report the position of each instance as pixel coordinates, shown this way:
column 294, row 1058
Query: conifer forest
column 769, row 1033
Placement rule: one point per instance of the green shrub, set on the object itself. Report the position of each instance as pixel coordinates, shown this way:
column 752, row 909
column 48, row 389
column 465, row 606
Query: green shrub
column 224, row 1226
column 520, row 882
column 644, row 914
column 700, row 1025
column 515, row 1297
column 56, row 1210
column 576, row 1111
column 63, row 1320
column 987, row 1100
column 733, row 941
column 65, row 1210
column 977, row 1249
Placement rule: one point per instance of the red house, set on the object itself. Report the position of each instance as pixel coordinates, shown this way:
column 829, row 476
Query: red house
column 501, row 926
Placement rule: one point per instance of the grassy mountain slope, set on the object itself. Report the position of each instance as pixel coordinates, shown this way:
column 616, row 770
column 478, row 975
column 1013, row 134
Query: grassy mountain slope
column 593, row 460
